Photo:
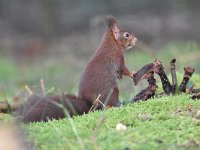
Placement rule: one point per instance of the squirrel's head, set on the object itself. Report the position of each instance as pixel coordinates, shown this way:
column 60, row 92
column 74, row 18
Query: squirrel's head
column 122, row 37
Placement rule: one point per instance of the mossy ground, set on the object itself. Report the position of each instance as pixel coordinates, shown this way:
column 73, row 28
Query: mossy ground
column 170, row 122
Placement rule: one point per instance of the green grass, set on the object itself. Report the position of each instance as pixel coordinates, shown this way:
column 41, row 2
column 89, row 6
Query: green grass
column 170, row 122
column 162, row 123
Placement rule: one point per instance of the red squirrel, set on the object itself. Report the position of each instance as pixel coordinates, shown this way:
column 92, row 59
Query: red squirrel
column 99, row 80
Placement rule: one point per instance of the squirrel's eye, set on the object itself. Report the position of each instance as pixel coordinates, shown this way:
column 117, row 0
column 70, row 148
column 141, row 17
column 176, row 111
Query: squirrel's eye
column 126, row 34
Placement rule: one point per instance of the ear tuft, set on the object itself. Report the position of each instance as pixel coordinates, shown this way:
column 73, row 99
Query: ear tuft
column 110, row 21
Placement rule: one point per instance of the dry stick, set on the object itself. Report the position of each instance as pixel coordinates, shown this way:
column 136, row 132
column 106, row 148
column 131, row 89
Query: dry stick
column 94, row 105
column 151, row 80
column 149, row 91
column 108, row 99
column 29, row 90
column 174, row 78
column 105, row 104
column 159, row 69
column 5, row 107
column 191, row 90
column 142, row 73
column 146, row 72
column 101, row 119
column 96, row 102
column 186, row 77
column 42, row 86
column 196, row 96
column 145, row 94
column 195, row 91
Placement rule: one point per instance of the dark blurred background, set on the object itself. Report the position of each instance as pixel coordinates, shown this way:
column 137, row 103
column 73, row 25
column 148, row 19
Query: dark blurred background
column 43, row 38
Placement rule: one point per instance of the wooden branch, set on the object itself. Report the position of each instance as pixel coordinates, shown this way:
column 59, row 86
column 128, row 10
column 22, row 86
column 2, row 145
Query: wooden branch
column 186, row 77
column 195, row 91
column 196, row 96
column 5, row 107
column 159, row 69
column 145, row 94
column 143, row 73
column 149, row 92
column 151, row 80
column 174, row 77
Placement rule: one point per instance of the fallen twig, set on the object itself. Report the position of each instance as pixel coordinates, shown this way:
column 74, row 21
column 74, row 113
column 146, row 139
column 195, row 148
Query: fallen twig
column 42, row 86
column 174, row 78
column 143, row 73
column 149, row 91
column 5, row 107
column 29, row 90
column 186, row 77
column 196, row 96
column 159, row 69
column 145, row 94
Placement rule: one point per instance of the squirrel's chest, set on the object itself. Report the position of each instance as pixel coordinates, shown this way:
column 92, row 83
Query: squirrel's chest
column 105, row 64
column 108, row 69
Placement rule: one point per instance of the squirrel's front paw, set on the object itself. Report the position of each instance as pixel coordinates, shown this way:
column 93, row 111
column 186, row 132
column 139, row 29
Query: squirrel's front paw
column 132, row 75
column 119, row 76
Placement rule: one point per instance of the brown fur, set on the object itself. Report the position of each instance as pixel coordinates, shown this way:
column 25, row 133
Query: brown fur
column 100, row 77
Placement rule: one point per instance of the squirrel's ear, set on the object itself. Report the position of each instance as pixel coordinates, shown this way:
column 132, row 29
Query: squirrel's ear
column 115, row 31
column 112, row 25
column 110, row 21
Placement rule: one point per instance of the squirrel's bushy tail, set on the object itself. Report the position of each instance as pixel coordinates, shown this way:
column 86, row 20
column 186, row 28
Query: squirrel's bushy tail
column 44, row 108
